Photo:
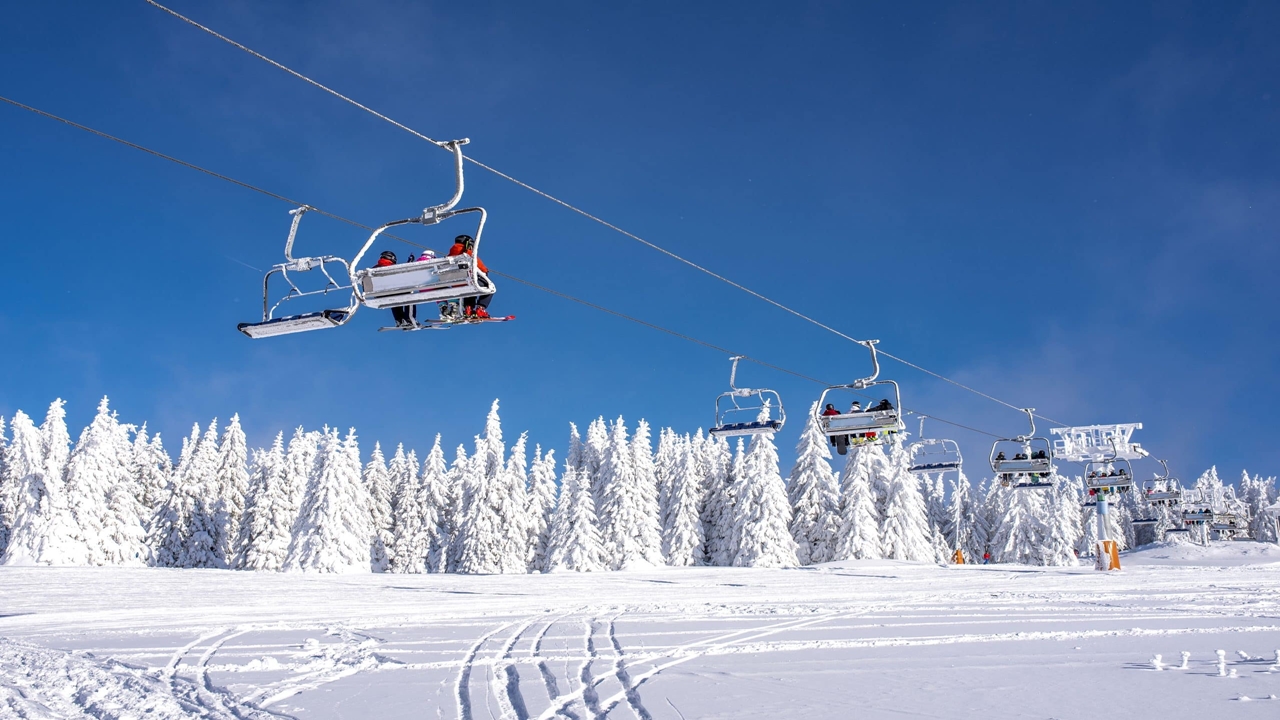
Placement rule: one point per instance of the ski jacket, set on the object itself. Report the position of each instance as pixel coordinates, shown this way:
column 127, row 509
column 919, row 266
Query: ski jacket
column 459, row 248
column 383, row 262
column 831, row 411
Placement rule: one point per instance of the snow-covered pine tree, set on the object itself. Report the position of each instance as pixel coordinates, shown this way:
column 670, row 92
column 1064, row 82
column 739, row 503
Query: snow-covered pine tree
column 167, row 537
column 451, row 517
column 151, row 467
column 664, row 471
column 205, row 522
column 905, row 533
column 593, row 451
column 718, row 510
column 518, row 556
column 103, row 496
column 483, row 535
column 683, row 542
column 334, row 529
column 542, row 505
column 1259, row 493
column 628, row 527
column 958, row 528
column 859, row 534
column 815, row 500
column 230, row 483
column 269, row 513
column 24, row 475
column 378, row 484
column 8, row 493
column 762, row 516
column 433, row 504
column 574, row 543
column 1021, row 533
column 1062, row 525
column 1210, row 485
column 934, row 490
column 408, row 553
column 649, row 514
column 57, row 523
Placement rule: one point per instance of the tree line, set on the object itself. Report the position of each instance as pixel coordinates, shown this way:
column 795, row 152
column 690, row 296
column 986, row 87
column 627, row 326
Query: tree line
column 314, row 503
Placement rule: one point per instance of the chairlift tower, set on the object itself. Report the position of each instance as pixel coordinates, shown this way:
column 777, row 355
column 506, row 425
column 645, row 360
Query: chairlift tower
column 1100, row 447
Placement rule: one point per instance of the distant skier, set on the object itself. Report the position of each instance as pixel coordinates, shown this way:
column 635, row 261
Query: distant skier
column 856, row 407
column 1000, row 456
column 477, row 305
column 830, row 410
column 404, row 315
column 986, row 558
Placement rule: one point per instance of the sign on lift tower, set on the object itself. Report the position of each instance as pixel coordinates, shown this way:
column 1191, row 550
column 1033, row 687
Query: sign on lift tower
column 1106, row 451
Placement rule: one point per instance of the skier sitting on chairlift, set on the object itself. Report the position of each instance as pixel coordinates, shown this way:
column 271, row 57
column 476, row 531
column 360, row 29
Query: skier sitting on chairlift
column 830, row 410
column 477, row 305
column 402, row 314
column 856, row 407
column 882, row 406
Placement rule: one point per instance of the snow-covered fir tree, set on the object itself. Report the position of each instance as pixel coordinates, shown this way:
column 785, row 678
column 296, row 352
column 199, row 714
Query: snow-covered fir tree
column 718, row 510
column 664, row 470
column 169, row 524
column 627, row 513
column 205, row 520
column 859, row 535
column 269, row 516
column 542, row 506
column 593, row 451
column 1062, row 524
column 451, row 516
column 408, row 549
column 378, row 483
column 230, row 483
column 103, row 496
column 905, row 533
column 8, row 493
column 683, row 542
column 433, row 503
column 1021, row 531
column 24, row 475
column 814, row 497
column 762, row 514
column 515, row 479
column 650, row 510
column 334, row 530
column 1258, row 494
column 489, row 517
column 574, row 543
column 151, row 468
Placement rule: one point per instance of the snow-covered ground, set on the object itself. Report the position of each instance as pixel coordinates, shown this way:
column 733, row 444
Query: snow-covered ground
column 863, row 639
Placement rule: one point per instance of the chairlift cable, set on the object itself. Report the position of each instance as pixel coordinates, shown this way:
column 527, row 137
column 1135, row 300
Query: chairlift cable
column 565, row 296
column 578, row 210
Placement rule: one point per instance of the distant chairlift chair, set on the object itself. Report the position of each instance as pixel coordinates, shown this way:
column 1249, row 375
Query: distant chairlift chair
column 1163, row 490
column 271, row 326
column 934, row 455
column 1110, row 474
column 870, row 427
column 1031, row 465
column 424, row 281
column 747, row 402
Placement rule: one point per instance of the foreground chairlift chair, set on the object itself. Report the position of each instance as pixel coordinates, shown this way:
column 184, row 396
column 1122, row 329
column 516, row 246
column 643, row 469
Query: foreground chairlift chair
column 934, row 455
column 1163, row 490
column 425, row 281
column 870, row 427
column 1025, row 461
column 747, row 403
column 271, row 326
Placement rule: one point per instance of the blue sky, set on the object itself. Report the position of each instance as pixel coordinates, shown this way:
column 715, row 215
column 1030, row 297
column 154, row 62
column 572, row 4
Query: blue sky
column 1071, row 207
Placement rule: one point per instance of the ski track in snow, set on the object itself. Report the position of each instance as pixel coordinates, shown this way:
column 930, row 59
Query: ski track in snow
column 634, row 645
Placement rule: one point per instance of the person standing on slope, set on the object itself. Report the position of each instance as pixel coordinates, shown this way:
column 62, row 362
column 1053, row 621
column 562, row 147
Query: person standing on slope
column 476, row 306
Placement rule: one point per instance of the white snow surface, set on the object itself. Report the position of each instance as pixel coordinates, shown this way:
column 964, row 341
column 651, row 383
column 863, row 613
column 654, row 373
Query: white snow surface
column 865, row 639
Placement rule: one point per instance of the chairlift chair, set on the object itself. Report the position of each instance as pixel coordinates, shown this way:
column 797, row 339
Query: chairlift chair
column 271, row 326
column 934, row 455
column 1146, row 521
column 1111, row 474
column 1031, row 467
column 746, row 402
column 1162, row 490
column 869, row 427
column 432, row 280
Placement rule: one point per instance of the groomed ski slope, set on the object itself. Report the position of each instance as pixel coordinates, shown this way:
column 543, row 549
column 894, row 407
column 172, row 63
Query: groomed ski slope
column 864, row 639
